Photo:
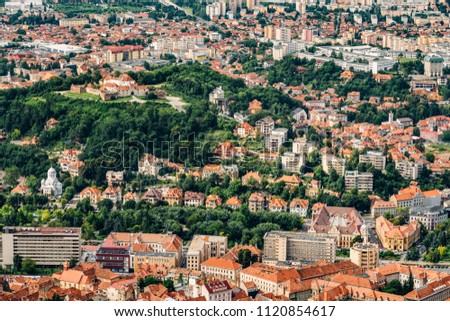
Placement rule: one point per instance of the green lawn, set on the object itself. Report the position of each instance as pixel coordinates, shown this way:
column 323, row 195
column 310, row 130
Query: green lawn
column 437, row 148
column 403, row 60
column 188, row 10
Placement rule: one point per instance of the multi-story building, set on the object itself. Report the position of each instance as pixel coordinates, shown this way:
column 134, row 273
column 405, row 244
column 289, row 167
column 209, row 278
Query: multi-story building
column 268, row 278
column 194, row 199
column 435, row 291
column 73, row 22
column 283, row 34
column 149, row 165
column 222, row 269
column 408, row 169
column 292, row 162
column 365, row 254
column 47, row 246
column 330, row 161
column 413, row 197
column 113, row 256
column 265, row 125
column 363, row 182
column 124, row 53
column 433, row 66
column 301, row 247
column 429, row 217
column 397, row 238
column 92, row 193
column 217, row 290
column 204, row 247
column 166, row 259
column 343, row 223
column 277, row 204
column 257, row 202
column 377, row 159
column 380, row 207
column 174, row 196
column 275, row 139
column 124, row 251
column 299, row 206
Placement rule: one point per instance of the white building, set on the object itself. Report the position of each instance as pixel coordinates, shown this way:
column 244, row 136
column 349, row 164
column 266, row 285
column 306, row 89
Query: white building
column 429, row 217
column 51, row 186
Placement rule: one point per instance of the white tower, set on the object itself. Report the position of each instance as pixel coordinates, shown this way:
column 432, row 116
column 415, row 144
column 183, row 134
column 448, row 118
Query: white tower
column 365, row 233
column 300, row 6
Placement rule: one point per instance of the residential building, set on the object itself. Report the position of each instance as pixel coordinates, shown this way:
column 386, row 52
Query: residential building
column 377, row 159
column 251, row 177
column 213, row 201
column 365, row 254
column 363, row 182
column 291, row 162
column 265, row 126
column 47, row 246
column 283, row 34
column 257, row 202
column 380, row 207
column 234, row 202
column 299, row 206
column 330, row 161
column 194, row 199
column 92, row 193
column 114, row 177
column 276, row 139
column 430, row 217
column 124, row 53
column 174, row 196
column 277, row 204
column 217, row 290
column 203, row 247
column 267, row 278
column 113, row 193
column 222, row 269
column 408, row 169
column 149, row 165
column 301, row 247
column 73, row 22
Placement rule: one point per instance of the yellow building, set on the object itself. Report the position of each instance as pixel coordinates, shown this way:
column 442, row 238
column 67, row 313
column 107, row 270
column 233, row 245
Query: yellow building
column 397, row 238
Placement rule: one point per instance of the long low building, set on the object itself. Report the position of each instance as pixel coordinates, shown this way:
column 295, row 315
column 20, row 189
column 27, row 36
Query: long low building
column 300, row 247
column 47, row 246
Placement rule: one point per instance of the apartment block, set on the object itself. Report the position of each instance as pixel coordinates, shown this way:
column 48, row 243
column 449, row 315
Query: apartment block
column 47, row 246
column 408, row 169
column 363, row 182
column 365, row 255
column 330, row 161
column 377, row 159
column 124, row 53
column 298, row 246
column 73, row 22
column 204, row 247
column 292, row 162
